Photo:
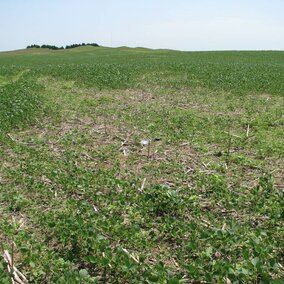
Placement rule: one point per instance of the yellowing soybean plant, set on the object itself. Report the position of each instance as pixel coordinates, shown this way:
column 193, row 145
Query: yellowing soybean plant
column 200, row 200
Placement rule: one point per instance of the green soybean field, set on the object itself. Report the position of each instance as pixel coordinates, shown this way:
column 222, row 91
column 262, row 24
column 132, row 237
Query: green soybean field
column 132, row 165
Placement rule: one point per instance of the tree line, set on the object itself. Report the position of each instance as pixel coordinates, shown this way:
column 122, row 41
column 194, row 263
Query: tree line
column 53, row 47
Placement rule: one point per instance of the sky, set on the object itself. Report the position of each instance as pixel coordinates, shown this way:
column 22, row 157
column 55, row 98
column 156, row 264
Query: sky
column 170, row 24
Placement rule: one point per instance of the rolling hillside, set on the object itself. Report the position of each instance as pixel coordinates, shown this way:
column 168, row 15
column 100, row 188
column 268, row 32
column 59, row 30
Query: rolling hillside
column 122, row 165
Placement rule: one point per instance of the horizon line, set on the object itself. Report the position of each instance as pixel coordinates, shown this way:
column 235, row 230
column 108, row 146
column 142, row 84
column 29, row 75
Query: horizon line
column 136, row 47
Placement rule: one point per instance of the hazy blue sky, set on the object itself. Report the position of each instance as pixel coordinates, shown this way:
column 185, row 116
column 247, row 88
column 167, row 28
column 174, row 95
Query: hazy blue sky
column 175, row 24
